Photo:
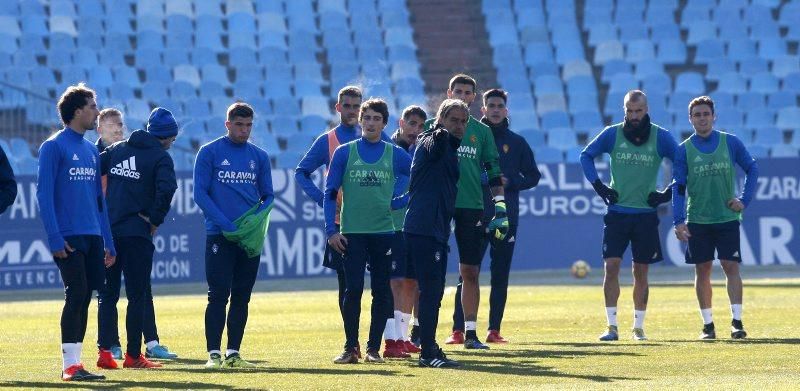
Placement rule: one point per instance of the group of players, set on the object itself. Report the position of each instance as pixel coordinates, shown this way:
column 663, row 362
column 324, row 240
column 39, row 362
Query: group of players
column 388, row 203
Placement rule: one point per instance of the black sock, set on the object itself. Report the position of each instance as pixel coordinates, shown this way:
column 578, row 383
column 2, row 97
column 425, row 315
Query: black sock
column 471, row 334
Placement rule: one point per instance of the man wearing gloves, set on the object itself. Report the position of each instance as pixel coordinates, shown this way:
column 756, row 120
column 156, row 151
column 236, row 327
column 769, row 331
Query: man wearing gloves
column 75, row 218
column 231, row 176
column 636, row 147
column 141, row 183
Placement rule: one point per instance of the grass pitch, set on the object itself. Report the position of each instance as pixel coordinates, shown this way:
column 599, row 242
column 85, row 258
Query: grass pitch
column 293, row 337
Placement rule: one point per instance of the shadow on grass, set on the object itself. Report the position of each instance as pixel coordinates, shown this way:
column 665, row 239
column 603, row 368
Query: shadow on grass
column 610, row 345
column 308, row 371
column 114, row 384
column 540, row 353
column 747, row 341
column 531, row 368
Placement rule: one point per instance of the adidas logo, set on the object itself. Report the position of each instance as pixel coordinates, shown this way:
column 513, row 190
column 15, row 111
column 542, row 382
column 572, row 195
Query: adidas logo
column 698, row 159
column 655, row 255
column 358, row 163
column 479, row 224
column 126, row 168
column 736, row 254
column 226, row 162
column 511, row 239
column 75, row 156
column 389, row 252
column 624, row 145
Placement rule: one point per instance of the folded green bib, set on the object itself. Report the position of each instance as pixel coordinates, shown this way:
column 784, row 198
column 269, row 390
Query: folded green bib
column 251, row 230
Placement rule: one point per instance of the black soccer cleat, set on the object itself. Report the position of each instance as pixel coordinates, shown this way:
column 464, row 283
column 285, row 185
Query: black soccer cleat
column 708, row 332
column 414, row 337
column 737, row 329
column 78, row 373
column 440, row 360
column 475, row 343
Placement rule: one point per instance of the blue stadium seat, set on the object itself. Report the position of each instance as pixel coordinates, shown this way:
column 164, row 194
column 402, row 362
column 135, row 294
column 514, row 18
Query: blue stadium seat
column 313, row 124
column 90, row 38
column 57, row 56
column 764, row 83
column 546, row 154
column 548, row 84
column 287, row 159
column 785, row 65
column 769, row 136
column 608, row 50
column 100, row 76
column 520, row 103
column 733, row 30
column 647, row 68
column 272, row 55
column 550, row 103
column 287, row 106
column 781, row 99
column 751, row 100
column 568, row 50
column 554, row 120
column 582, row 85
column 587, row 121
column 579, row 103
column 733, row 83
column 759, row 118
column 182, row 91
column 664, row 30
column 792, row 83
column 729, row 118
column 562, row 138
column 282, row 125
column 784, row 151
column 602, row 32
column 27, row 166
column 534, row 137
column 741, row 50
column 197, row 108
column 700, row 31
column 709, row 50
column 758, row 151
column 43, row 76
column 678, row 102
column 690, row 82
column 633, row 32
column 402, row 53
column 788, row 118
column 20, row 148
column 154, row 91
column 622, row 83
column 211, row 88
column 657, row 82
column 147, row 56
column 576, row 68
column 529, row 34
column 639, row 50
column 719, row 67
column 62, row 41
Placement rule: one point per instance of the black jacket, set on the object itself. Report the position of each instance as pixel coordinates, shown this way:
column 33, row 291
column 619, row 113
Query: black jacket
column 517, row 164
column 8, row 185
column 432, row 191
column 141, row 179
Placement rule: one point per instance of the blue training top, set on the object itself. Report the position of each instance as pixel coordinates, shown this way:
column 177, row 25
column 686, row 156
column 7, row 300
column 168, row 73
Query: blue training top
column 604, row 143
column 229, row 179
column 738, row 154
column 70, row 192
column 370, row 153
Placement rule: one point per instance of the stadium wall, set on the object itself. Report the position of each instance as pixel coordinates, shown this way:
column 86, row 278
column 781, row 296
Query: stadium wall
column 560, row 221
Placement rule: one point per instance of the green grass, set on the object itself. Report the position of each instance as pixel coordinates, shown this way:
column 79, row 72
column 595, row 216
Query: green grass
column 293, row 336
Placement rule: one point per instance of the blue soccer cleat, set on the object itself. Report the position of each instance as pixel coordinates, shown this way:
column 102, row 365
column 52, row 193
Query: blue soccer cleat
column 611, row 334
column 160, row 352
column 116, row 351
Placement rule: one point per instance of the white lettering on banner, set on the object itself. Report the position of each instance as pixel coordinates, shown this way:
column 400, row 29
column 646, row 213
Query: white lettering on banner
column 312, row 212
column 11, row 252
column 561, row 205
column 30, row 278
column 778, row 188
column 283, row 185
column 775, row 247
column 183, row 200
column 26, row 205
column 302, row 252
column 171, row 269
column 560, row 181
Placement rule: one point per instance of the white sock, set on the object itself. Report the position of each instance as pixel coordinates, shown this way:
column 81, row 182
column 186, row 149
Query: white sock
column 230, row 352
column 638, row 319
column 416, row 322
column 77, row 352
column 389, row 332
column 398, row 325
column 151, row 344
column 210, row 352
column 404, row 319
column 706, row 314
column 470, row 326
column 736, row 311
column 68, row 355
column 611, row 315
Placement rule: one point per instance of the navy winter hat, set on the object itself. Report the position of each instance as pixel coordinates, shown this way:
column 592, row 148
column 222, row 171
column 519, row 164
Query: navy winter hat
column 161, row 123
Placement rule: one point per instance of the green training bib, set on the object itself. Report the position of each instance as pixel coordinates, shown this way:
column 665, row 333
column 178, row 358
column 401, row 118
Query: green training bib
column 368, row 190
column 710, row 183
column 634, row 169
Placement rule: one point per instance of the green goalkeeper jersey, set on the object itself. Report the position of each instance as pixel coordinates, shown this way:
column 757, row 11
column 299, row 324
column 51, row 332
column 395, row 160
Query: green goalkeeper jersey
column 477, row 153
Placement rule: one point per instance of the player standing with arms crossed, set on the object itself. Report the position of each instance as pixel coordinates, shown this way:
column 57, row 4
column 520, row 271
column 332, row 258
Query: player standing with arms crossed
column 75, row 217
column 231, row 175
column 707, row 210
column 636, row 147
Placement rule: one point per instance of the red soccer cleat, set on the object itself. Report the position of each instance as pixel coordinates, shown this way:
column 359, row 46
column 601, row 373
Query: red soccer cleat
column 456, row 338
column 495, row 337
column 410, row 347
column 139, row 363
column 105, row 360
column 78, row 373
column 394, row 349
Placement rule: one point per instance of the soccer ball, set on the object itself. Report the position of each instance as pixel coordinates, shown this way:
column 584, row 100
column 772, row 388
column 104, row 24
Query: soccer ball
column 580, row 269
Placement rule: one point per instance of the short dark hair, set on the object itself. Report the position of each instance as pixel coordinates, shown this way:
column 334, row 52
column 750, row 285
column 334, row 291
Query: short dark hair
column 352, row 91
column 463, row 79
column 413, row 110
column 376, row 104
column 495, row 93
column 240, row 109
column 634, row 96
column 701, row 100
column 73, row 98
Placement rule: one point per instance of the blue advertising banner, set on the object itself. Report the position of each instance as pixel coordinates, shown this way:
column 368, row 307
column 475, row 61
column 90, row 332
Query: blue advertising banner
column 560, row 222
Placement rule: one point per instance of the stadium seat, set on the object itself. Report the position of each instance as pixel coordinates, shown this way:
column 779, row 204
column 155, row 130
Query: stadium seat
column 282, row 125
column 608, row 50
column 602, row 32
column 788, row 118
column 546, row 154
column 785, row 65
column 690, row 82
column 548, row 85
column 562, row 138
column 639, row 50
column 729, row 118
column 551, row 103
column 784, row 151
column 700, row 31
column 732, row 83
column 781, row 99
column 764, row 83
column 709, row 50
column 555, row 120
column 751, row 100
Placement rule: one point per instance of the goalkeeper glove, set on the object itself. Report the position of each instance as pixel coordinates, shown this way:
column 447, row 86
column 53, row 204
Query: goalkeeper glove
column 498, row 227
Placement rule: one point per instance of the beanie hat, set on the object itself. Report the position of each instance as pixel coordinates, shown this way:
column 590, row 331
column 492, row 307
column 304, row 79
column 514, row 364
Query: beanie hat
column 162, row 124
